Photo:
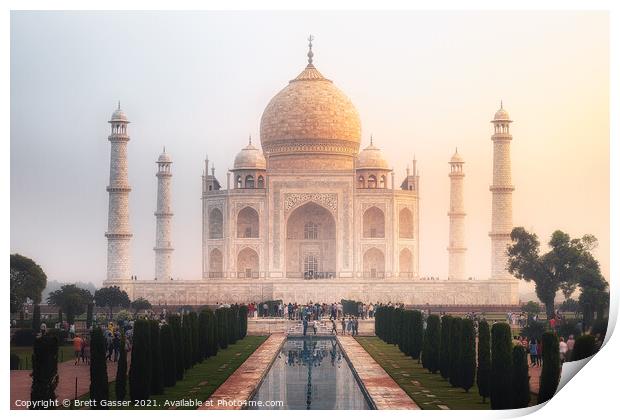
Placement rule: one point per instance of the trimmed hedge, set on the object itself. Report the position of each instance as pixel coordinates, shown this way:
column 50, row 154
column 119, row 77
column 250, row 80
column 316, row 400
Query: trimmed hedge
column 483, row 377
column 433, row 337
column 120, row 384
column 98, row 369
column 15, row 362
column 501, row 367
column 140, row 370
column 44, row 369
column 417, row 334
column 23, row 338
column 179, row 342
column 585, row 346
column 157, row 368
column 221, row 315
column 550, row 374
column 455, row 352
column 444, row 350
column 468, row 355
column 168, row 350
column 243, row 321
column 187, row 342
column 520, row 378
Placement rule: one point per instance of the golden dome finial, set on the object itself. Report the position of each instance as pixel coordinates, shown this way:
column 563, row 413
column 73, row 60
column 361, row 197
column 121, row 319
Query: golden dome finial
column 310, row 53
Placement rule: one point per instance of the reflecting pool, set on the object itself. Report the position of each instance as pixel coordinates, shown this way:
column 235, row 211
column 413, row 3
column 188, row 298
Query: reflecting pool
column 311, row 373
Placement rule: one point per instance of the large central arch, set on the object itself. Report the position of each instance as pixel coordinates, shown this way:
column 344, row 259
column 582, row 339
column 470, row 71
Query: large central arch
column 311, row 242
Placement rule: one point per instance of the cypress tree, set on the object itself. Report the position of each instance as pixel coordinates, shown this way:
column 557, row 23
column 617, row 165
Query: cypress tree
column 222, row 321
column 168, row 356
column 193, row 324
column 203, row 332
column 233, row 322
column 140, row 370
column 44, row 369
column 417, row 334
column 89, row 314
column 243, row 318
column 468, row 355
column 213, row 334
column 157, row 369
column 444, row 351
column 455, row 352
column 120, row 385
column 520, row 378
column 484, row 360
column 400, row 333
column 187, row 342
column 433, row 327
column 550, row 374
column 178, row 339
column 60, row 316
column 98, row 369
column 501, row 367
column 585, row 346
column 36, row 318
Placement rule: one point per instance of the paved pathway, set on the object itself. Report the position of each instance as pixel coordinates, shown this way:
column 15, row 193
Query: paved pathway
column 383, row 390
column 240, row 385
column 21, row 382
column 535, row 379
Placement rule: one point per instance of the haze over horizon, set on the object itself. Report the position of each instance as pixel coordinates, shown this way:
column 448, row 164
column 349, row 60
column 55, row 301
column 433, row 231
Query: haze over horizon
column 424, row 83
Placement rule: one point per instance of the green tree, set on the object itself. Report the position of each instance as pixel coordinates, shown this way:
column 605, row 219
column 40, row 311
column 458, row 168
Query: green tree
column 520, row 378
column 89, row 314
column 468, row 354
column 157, row 368
column 501, row 367
column 243, row 320
column 455, row 352
column 550, row 374
column 140, row 304
column 585, row 346
column 203, row 335
column 483, row 378
column 71, row 299
column 27, row 281
column 570, row 305
column 195, row 338
column 444, row 351
column 140, row 370
column 44, row 369
column 562, row 268
column 187, row 344
column 36, row 318
column 212, row 337
column 111, row 297
column 168, row 356
column 222, row 321
column 179, row 344
column 417, row 334
column 433, row 329
column 531, row 308
column 98, row 369
column 120, row 384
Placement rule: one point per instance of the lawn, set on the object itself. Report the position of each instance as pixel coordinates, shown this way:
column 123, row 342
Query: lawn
column 25, row 355
column 429, row 391
column 204, row 378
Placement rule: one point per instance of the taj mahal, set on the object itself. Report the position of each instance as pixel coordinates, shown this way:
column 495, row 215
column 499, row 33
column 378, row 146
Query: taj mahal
column 308, row 214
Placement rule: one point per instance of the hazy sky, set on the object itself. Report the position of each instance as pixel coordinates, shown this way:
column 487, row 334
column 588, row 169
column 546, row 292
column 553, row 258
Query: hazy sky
column 423, row 83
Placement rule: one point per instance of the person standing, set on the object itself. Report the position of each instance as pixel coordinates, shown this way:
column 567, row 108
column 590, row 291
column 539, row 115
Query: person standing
column 344, row 325
column 355, row 326
column 349, row 326
column 315, row 326
column 334, row 329
column 116, row 345
column 570, row 343
column 77, row 348
column 533, row 352
column 563, row 350
column 305, row 324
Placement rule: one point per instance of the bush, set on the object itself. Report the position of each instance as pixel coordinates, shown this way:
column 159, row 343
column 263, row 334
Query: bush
column 44, row 369
column 444, row 350
column 550, row 374
column 468, row 355
column 157, row 369
column 433, row 329
column 120, row 385
column 567, row 328
column 243, row 321
column 168, row 356
column 178, row 339
column 483, row 378
column 98, row 369
column 222, row 321
column 15, row 362
column 600, row 327
column 417, row 334
column 123, row 316
column 36, row 318
column 455, row 352
column 23, row 338
column 534, row 329
column 187, row 342
column 193, row 324
column 501, row 367
column 61, row 335
column 398, row 327
column 203, row 332
column 140, row 370
column 520, row 378
column 585, row 346
column 212, row 337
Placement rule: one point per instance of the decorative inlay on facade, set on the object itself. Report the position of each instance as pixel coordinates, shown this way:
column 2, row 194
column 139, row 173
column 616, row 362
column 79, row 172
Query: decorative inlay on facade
column 327, row 200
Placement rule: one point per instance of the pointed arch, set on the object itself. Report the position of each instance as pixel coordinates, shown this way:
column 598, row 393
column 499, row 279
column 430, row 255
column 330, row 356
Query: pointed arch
column 373, row 223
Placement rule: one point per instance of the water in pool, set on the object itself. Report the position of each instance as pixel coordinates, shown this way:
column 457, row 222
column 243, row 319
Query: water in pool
column 311, row 374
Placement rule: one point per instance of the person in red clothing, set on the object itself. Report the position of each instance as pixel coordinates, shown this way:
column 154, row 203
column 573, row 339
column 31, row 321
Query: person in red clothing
column 77, row 348
column 552, row 323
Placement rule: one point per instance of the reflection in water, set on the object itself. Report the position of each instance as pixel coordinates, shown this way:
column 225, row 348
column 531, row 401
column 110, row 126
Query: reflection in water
column 311, row 373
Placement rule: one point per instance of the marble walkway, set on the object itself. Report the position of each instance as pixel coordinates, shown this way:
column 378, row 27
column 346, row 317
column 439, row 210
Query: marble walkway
column 383, row 390
column 240, row 385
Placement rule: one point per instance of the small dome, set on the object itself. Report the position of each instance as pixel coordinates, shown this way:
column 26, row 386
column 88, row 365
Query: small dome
column 456, row 158
column 164, row 157
column 250, row 158
column 119, row 115
column 371, row 158
column 501, row 114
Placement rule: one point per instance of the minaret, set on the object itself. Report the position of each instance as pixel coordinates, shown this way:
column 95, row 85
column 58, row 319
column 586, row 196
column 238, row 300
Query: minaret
column 456, row 246
column 163, row 216
column 119, row 231
column 502, row 188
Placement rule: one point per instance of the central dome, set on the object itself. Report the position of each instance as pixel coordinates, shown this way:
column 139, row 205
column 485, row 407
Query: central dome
column 311, row 116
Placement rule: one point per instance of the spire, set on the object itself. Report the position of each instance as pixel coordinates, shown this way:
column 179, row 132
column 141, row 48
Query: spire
column 371, row 139
column 250, row 140
column 501, row 104
column 164, row 149
column 310, row 53
column 119, row 105
column 212, row 169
